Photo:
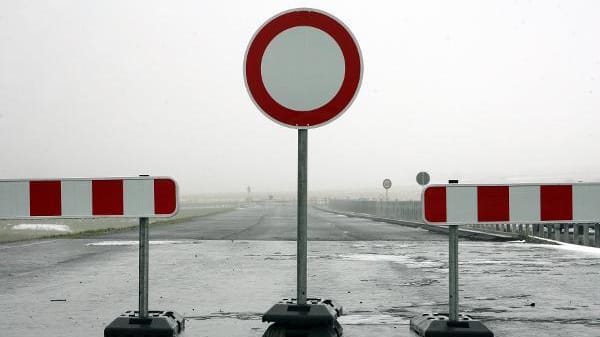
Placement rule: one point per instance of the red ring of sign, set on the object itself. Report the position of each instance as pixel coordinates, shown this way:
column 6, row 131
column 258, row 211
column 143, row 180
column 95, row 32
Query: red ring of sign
column 324, row 113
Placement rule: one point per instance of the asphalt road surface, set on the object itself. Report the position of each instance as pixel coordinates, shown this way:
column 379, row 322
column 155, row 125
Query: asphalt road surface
column 278, row 222
column 223, row 271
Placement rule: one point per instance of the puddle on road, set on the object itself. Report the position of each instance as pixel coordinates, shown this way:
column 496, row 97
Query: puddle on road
column 352, row 319
column 512, row 263
column 566, row 308
column 420, row 283
column 244, row 316
column 387, row 245
column 135, row 243
column 489, row 310
column 577, row 321
column 375, row 319
column 409, row 262
column 41, row 227
column 584, row 250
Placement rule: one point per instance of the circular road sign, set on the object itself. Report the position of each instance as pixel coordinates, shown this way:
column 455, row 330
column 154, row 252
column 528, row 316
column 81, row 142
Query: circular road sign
column 423, row 178
column 303, row 68
column 387, row 183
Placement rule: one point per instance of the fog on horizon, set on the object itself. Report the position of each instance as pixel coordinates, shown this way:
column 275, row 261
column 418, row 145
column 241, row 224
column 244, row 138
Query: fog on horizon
column 477, row 91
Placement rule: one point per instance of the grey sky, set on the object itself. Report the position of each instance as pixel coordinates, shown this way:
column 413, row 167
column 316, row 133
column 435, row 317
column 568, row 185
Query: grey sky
column 475, row 90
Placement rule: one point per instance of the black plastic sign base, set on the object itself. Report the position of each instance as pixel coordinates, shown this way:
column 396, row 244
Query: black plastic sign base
column 438, row 325
column 276, row 330
column 316, row 312
column 158, row 324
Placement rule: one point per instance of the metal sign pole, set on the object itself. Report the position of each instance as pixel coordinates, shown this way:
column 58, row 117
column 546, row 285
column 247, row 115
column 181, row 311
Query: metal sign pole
column 435, row 323
column 453, row 271
column 143, row 265
column 302, row 215
column 420, row 214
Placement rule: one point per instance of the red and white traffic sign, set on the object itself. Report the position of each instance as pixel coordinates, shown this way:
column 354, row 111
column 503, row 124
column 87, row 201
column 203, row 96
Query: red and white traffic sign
column 83, row 198
column 303, row 68
column 517, row 203
column 387, row 183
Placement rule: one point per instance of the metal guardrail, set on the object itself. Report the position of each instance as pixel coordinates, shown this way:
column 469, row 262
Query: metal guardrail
column 401, row 210
column 462, row 232
column 409, row 213
column 579, row 234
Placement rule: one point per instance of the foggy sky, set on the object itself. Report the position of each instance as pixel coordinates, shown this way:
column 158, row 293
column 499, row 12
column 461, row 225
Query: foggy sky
column 494, row 91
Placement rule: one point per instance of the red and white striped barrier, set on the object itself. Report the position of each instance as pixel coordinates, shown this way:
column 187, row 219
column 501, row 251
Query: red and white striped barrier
column 519, row 203
column 84, row 198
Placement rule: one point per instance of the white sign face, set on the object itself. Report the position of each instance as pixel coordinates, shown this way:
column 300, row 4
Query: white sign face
column 310, row 57
column 423, row 178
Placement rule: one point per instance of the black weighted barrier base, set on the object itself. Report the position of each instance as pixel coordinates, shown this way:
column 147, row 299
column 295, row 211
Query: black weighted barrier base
column 316, row 318
column 276, row 330
column 438, row 325
column 158, row 324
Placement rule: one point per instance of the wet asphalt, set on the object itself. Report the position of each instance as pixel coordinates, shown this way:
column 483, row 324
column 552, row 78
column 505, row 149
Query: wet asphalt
column 223, row 271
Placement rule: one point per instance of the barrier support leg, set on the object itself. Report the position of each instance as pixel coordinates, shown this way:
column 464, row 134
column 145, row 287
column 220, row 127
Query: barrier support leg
column 453, row 271
column 454, row 324
column 143, row 268
column 141, row 323
column 304, row 316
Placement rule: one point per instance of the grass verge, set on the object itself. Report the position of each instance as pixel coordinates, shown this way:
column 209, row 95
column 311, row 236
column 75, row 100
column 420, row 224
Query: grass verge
column 107, row 226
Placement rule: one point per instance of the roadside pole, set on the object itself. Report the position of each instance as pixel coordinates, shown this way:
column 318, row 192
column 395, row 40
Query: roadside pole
column 300, row 107
column 387, row 184
column 143, row 268
column 302, row 254
column 423, row 179
column 453, row 272
column 453, row 269
column 142, row 324
column 453, row 323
